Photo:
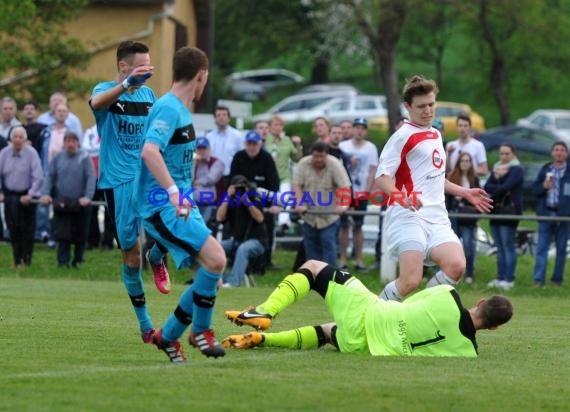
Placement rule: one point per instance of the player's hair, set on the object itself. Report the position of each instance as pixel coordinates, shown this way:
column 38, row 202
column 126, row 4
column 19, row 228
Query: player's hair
column 495, row 311
column 418, row 85
column 464, row 117
column 187, row 62
column 129, row 48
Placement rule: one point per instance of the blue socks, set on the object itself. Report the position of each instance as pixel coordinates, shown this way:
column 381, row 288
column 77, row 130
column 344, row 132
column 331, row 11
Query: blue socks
column 177, row 322
column 196, row 306
column 134, row 284
column 155, row 255
column 204, row 296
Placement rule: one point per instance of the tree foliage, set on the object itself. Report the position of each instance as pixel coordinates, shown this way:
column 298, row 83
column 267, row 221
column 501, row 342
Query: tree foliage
column 37, row 56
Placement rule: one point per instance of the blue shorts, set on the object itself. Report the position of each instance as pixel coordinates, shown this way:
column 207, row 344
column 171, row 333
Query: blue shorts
column 183, row 239
column 124, row 221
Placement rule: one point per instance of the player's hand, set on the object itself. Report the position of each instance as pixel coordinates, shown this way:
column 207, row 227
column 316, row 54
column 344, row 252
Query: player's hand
column 182, row 208
column 480, row 199
column 412, row 203
column 137, row 78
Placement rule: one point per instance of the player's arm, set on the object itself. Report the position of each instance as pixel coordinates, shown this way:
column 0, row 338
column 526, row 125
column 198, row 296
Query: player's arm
column 476, row 196
column 155, row 163
column 107, row 98
column 135, row 80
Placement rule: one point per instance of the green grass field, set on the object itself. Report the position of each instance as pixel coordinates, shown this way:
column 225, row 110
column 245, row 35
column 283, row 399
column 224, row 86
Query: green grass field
column 70, row 342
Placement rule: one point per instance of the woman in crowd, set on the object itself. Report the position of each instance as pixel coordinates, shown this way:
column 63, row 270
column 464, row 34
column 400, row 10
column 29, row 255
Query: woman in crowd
column 505, row 187
column 463, row 174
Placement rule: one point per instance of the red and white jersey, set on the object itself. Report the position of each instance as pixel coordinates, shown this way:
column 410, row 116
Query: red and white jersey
column 414, row 158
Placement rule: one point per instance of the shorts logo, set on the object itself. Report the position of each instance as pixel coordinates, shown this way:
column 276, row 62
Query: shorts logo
column 436, row 159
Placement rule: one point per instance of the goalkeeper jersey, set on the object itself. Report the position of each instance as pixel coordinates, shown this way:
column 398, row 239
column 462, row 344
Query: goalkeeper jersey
column 121, row 127
column 432, row 322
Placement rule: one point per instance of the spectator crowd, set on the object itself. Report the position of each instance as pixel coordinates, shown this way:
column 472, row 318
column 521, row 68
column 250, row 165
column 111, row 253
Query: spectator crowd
column 48, row 157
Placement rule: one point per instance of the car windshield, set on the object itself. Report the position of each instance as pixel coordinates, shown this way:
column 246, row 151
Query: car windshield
column 563, row 123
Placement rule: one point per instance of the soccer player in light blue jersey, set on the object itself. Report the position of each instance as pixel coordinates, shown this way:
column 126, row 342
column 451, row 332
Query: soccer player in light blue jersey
column 168, row 212
column 121, row 107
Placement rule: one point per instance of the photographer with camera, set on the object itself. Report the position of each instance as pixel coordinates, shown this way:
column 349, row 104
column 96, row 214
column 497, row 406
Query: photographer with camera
column 244, row 215
column 258, row 167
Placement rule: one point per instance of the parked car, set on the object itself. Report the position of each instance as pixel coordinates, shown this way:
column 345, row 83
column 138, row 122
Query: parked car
column 340, row 108
column 294, row 108
column 328, row 87
column 555, row 121
column 524, row 139
column 448, row 112
column 252, row 84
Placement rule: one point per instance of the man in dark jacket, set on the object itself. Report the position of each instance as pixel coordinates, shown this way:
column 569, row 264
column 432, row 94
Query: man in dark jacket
column 242, row 210
column 259, row 168
column 552, row 189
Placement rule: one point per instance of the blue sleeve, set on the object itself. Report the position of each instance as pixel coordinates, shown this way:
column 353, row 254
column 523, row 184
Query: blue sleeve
column 161, row 125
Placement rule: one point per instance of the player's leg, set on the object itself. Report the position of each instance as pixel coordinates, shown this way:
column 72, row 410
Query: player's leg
column 155, row 256
column 411, row 271
column 407, row 240
column 291, row 289
column 212, row 259
column 307, row 337
column 125, row 227
column 133, row 281
column 446, row 251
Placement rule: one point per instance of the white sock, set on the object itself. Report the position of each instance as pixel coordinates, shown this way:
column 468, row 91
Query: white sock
column 440, row 278
column 390, row 292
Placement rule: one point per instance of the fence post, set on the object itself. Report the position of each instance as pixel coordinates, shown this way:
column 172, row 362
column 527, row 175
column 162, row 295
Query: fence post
column 387, row 262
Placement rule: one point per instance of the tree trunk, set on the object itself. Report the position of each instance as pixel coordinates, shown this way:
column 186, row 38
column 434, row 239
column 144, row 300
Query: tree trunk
column 320, row 71
column 498, row 77
column 498, row 74
column 389, row 74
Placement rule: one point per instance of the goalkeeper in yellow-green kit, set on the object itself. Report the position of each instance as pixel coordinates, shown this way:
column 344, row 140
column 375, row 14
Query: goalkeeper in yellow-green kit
column 432, row 322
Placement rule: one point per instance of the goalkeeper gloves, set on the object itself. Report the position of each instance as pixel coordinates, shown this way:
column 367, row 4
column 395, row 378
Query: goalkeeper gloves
column 133, row 81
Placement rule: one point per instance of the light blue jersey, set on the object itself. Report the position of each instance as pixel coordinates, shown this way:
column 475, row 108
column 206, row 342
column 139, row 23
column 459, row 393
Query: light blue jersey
column 121, row 127
column 169, row 126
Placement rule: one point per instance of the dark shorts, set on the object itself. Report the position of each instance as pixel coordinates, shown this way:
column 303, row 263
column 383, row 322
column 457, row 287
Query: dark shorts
column 358, row 220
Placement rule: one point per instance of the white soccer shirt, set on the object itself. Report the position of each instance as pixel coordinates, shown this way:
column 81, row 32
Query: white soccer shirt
column 414, row 158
